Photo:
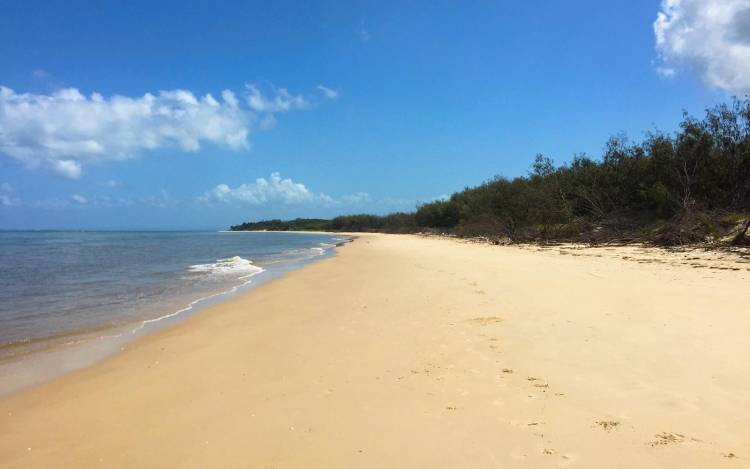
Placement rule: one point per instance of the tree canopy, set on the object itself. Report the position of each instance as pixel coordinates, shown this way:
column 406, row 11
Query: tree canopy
column 671, row 189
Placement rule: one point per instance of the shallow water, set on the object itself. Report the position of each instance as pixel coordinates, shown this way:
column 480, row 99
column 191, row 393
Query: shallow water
column 66, row 288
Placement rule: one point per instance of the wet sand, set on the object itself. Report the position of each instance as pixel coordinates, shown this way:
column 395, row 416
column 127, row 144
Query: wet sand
column 405, row 351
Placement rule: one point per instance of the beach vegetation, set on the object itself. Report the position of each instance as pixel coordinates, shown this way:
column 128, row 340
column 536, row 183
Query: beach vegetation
column 298, row 224
column 670, row 189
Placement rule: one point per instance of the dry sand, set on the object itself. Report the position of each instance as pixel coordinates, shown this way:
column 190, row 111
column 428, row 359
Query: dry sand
column 412, row 352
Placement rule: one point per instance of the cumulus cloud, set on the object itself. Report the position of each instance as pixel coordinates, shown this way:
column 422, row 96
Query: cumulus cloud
column 66, row 130
column 69, row 168
column 709, row 37
column 276, row 189
column 263, row 191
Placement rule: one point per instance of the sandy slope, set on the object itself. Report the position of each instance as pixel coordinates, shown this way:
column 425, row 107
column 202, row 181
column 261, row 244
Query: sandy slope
column 412, row 352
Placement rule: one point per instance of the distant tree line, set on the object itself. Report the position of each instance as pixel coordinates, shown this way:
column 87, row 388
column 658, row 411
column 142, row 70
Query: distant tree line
column 298, row 224
column 668, row 189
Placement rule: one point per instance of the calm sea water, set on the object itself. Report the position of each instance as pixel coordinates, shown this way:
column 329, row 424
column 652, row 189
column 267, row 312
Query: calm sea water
column 61, row 288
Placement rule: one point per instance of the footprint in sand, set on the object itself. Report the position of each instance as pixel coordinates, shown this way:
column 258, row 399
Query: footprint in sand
column 608, row 425
column 567, row 459
column 485, row 320
column 668, row 438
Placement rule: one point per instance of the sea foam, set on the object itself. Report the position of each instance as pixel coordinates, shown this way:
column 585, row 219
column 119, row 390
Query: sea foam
column 228, row 266
column 89, row 307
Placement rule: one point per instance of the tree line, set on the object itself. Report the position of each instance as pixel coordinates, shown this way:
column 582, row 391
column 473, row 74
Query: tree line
column 686, row 187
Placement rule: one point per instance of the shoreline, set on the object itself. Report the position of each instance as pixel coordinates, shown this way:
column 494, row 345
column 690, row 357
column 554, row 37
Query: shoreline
column 438, row 353
column 88, row 347
column 43, row 359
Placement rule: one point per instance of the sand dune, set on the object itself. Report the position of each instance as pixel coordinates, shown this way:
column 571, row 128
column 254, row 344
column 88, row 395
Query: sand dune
column 418, row 352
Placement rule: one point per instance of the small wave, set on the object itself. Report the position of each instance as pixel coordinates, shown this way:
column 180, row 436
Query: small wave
column 230, row 265
column 341, row 241
column 304, row 253
column 190, row 305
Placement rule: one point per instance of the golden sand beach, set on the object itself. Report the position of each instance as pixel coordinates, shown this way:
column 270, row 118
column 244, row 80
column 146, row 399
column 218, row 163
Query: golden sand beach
column 405, row 351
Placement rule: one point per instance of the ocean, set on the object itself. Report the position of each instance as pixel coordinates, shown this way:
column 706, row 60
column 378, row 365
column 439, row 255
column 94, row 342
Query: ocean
column 69, row 298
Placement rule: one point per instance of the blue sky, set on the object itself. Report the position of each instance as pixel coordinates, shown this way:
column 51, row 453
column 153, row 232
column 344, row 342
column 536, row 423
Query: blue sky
column 332, row 108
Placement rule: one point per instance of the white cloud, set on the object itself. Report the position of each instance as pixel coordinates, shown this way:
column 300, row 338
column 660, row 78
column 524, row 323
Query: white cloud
column 111, row 183
column 229, row 98
column 282, row 101
column 709, row 37
column 328, row 92
column 52, row 204
column 66, row 130
column 161, row 200
column 356, row 198
column 262, row 191
column 275, row 189
column 67, row 168
column 268, row 122
column 7, row 198
column 666, row 72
